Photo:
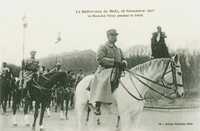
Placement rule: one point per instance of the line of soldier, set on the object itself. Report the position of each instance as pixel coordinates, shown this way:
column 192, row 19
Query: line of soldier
column 30, row 67
column 111, row 63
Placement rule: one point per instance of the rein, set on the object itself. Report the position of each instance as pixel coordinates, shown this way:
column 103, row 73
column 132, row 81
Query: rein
column 38, row 86
column 138, row 77
column 160, row 93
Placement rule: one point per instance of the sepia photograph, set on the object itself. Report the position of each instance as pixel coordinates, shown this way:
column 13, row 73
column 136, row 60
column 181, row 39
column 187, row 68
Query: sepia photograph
column 99, row 65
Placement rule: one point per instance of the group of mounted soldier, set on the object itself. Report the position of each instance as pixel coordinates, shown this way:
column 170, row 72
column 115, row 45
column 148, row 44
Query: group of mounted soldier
column 111, row 64
column 32, row 70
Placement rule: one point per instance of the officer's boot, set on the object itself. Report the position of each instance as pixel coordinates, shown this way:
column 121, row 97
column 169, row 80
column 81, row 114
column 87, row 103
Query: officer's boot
column 98, row 108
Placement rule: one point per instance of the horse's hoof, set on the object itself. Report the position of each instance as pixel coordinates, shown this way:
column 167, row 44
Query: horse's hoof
column 48, row 112
column 62, row 118
column 33, row 128
column 14, row 120
column 27, row 124
column 118, row 129
column 15, row 124
column 41, row 128
column 98, row 122
column 26, row 120
column 4, row 114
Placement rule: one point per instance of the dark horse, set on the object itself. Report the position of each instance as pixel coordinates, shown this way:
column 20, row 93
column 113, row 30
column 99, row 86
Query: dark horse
column 39, row 89
column 5, row 90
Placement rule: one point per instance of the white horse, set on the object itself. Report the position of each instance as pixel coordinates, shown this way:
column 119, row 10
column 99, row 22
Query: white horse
column 129, row 96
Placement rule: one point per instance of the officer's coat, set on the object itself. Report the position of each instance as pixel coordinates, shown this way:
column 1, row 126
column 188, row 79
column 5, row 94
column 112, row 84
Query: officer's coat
column 30, row 66
column 101, row 86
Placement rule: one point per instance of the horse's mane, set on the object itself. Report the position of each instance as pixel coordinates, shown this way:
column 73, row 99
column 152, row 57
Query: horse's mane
column 154, row 62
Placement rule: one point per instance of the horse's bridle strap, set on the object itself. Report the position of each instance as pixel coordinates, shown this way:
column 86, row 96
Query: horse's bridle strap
column 139, row 99
column 136, row 76
column 135, row 85
column 154, row 82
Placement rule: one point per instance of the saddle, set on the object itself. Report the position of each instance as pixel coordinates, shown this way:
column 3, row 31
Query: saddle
column 114, row 79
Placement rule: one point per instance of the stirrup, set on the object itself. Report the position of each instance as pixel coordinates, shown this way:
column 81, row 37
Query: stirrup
column 97, row 111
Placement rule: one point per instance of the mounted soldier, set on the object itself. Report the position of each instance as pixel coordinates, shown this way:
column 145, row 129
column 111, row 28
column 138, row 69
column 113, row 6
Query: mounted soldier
column 111, row 63
column 158, row 46
column 30, row 68
column 57, row 68
column 5, row 70
column 43, row 70
column 5, row 84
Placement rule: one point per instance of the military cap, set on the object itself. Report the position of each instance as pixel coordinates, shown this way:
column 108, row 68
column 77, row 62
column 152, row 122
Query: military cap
column 159, row 27
column 58, row 64
column 33, row 52
column 4, row 63
column 112, row 32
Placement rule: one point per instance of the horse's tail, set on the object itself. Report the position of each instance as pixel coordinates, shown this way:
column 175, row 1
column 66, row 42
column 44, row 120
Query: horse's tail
column 81, row 93
column 81, row 100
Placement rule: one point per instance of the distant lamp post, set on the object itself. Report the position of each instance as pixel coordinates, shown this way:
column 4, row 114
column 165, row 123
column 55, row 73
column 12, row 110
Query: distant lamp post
column 58, row 40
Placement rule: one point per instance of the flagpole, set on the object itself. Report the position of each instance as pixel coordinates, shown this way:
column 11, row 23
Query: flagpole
column 56, row 42
column 23, row 45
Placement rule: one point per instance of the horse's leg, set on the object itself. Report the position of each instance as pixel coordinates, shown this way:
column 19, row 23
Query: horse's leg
column 125, row 120
column 72, row 101
column 4, row 103
column 37, row 106
column 130, row 121
column 26, row 106
column 4, row 100
column 136, row 120
column 66, row 106
column 31, row 106
column 48, row 108
column 118, row 121
column 56, row 104
column 9, row 100
column 62, row 107
column 80, row 115
column 88, row 114
column 44, row 104
column 14, row 107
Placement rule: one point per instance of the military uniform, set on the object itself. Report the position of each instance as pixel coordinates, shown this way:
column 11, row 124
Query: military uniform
column 106, row 74
column 6, row 75
column 29, row 67
column 57, row 68
column 158, row 45
column 5, row 72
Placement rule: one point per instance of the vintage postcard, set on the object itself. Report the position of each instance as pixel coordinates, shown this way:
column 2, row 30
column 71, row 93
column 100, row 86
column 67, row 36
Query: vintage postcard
column 117, row 65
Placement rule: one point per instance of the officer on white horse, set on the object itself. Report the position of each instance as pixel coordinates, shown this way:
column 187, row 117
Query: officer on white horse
column 111, row 63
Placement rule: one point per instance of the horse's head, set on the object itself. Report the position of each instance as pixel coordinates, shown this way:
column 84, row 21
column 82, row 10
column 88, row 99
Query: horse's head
column 173, row 76
column 55, row 78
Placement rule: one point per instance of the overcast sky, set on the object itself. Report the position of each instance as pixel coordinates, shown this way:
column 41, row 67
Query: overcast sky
column 179, row 19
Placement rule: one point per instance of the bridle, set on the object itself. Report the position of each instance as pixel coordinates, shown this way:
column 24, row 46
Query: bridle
column 163, row 83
